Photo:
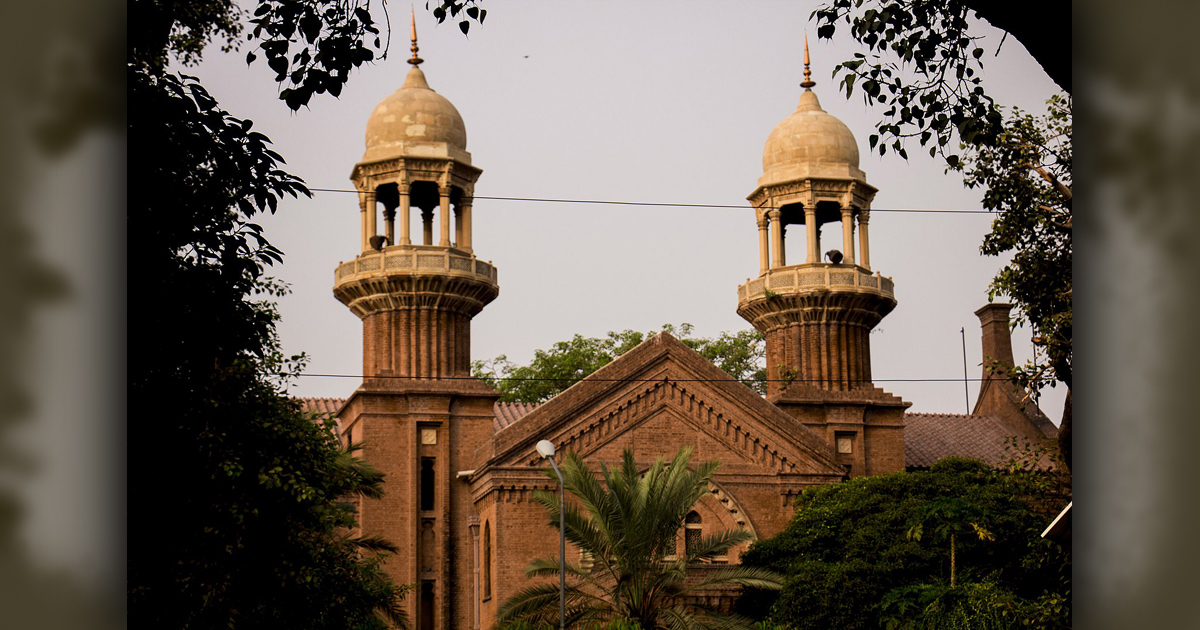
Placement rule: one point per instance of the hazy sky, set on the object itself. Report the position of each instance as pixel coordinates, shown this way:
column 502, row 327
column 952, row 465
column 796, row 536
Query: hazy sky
column 655, row 101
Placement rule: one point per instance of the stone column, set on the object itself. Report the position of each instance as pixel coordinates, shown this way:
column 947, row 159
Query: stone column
column 372, row 228
column 444, row 200
column 458, row 225
column 776, row 238
column 864, row 253
column 427, row 225
column 464, row 239
column 764, row 246
column 405, row 236
column 814, row 238
column 389, row 224
column 848, row 236
column 364, row 206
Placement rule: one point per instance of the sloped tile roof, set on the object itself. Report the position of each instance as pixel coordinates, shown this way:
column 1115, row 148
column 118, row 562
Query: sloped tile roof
column 322, row 405
column 325, row 408
column 929, row 437
column 508, row 413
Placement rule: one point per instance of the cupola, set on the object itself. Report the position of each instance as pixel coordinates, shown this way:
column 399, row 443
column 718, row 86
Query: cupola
column 415, row 121
column 810, row 143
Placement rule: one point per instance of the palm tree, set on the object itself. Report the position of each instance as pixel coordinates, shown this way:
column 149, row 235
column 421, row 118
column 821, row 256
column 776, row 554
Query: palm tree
column 627, row 528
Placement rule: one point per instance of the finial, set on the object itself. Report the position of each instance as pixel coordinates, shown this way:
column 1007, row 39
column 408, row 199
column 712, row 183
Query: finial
column 415, row 61
column 808, row 82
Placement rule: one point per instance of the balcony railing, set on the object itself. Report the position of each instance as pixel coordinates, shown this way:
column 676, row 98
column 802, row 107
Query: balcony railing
column 815, row 276
column 417, row 260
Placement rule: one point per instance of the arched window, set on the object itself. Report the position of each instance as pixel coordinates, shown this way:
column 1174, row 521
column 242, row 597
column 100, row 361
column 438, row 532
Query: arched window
column 487, row 560
column 691, row 533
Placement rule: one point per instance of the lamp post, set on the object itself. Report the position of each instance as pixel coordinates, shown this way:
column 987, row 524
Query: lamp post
column 545, row 448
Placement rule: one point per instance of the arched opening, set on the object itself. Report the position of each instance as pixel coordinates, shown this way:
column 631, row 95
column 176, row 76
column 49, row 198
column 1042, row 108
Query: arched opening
column 831, row 212
column 791, row 219
column 388, row 195
column 424, row 195
column 692, row 530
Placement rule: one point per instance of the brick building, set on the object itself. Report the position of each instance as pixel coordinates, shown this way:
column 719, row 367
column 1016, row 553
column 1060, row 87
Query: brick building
column 461, row 467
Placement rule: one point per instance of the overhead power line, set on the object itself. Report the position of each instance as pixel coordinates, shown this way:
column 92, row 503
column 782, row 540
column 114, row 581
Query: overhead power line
column 638, row 380
column 612, row 202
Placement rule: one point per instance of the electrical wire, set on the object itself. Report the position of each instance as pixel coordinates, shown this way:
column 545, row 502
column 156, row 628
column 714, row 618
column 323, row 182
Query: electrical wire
column 635, row 380
column 670, row 205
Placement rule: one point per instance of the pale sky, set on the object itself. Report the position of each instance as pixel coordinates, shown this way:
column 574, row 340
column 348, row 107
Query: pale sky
column 653, row 101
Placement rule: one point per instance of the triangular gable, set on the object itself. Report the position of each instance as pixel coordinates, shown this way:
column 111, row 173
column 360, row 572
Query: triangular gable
column 664, row 374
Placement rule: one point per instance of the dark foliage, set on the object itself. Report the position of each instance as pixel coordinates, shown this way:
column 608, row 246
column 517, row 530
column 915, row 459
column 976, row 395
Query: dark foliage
column 924, row 64
column 238, row 512
column 848, row 546
column 311, row 45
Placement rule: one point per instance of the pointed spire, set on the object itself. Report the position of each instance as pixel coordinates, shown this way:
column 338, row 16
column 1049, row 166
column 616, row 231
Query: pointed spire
column 808, row 82
column 415, row 61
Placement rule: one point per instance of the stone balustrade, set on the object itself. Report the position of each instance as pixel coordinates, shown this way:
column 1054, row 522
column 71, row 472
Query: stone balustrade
column 418, row 260
column 810, row 277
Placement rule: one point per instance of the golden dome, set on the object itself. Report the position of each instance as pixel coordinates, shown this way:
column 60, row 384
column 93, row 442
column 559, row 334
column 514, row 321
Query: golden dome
column 810, row 143
column 415, row 121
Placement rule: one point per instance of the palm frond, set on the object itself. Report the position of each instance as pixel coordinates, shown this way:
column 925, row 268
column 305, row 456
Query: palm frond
column 716, row 544
column 529, row 602
column 549, row 567
column 740, row 575
column 372, row 543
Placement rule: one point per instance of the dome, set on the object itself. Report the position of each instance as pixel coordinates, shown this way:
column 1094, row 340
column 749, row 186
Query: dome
column 416, row 121
column 810, row 143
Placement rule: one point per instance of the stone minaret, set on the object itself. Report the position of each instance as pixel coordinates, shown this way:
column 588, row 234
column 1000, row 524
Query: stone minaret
column 817, row 315
column 418, row 414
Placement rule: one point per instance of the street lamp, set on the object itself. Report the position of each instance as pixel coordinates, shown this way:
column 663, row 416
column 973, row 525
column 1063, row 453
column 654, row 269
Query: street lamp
column 545, row 448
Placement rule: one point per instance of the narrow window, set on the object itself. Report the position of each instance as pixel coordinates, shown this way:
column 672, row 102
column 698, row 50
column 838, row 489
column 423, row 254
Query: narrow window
column 487, row 561
column 427, row 484
column 427, row 605
column 691, row 533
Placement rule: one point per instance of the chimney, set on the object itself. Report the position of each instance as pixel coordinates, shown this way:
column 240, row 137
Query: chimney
column 997, row 338
column 1000, row 398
